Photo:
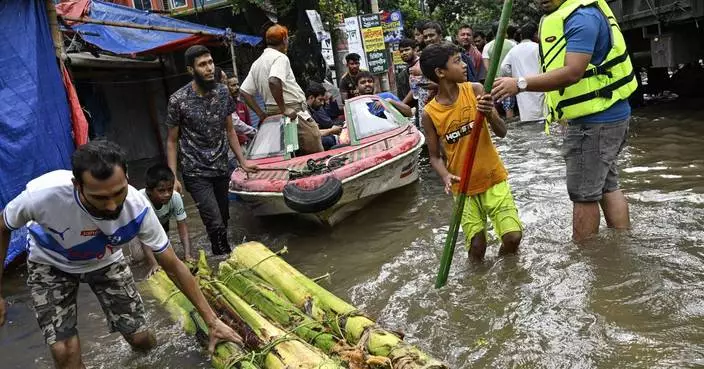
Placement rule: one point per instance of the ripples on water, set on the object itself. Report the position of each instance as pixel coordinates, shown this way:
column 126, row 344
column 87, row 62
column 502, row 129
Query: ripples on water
column 627, row 300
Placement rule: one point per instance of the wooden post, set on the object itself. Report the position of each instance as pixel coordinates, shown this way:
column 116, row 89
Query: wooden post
column 383, row 79
column 55, row 31
column 232, row 53
column 153, row 117
column 135, row 25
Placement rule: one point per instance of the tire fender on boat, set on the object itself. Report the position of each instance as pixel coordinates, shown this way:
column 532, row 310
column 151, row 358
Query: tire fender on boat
column 312, row 201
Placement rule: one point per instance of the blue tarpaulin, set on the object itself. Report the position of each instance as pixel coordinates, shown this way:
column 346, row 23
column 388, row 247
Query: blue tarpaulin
column 35, row 123
column 122, row 40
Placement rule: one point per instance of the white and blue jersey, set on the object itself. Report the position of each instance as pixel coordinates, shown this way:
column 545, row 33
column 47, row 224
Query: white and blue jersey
column 63, row 234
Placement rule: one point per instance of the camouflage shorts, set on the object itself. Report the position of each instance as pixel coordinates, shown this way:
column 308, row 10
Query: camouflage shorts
column 54, row 294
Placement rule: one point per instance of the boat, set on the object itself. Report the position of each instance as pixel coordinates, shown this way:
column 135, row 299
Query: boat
column 382, row 155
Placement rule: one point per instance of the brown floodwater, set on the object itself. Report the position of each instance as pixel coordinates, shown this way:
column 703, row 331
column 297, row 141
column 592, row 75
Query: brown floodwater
column 626, row 300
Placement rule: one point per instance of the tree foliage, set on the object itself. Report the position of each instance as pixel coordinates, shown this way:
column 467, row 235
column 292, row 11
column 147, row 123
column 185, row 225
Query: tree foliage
column 450, row 13
column 480, row 13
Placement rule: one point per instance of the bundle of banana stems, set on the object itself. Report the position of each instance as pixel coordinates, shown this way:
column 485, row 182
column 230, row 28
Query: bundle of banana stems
column 274, row 347
column 227, row 355
column 318, row 316
column 281, row 311
column 286, row 320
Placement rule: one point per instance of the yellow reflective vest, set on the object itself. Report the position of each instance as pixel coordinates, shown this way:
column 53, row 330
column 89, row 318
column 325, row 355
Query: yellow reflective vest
column 602, row 85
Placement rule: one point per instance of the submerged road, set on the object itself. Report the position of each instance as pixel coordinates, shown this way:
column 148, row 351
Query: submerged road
column 626, row 300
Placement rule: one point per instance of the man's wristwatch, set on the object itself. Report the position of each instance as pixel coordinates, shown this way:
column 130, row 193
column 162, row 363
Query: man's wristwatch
column 522, row 84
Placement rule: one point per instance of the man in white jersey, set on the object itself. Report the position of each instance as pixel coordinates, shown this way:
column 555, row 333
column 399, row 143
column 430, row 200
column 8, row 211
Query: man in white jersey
column 78, row 223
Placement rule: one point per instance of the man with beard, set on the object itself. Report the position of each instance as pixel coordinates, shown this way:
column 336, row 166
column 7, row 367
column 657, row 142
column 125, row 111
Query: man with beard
column 272, row 77
column 470, row 55
column 347, row 82
column 78, row 223
column 418, row 34
column 479, row 40
column 316, row 97
column 240, row 118
column 365, row 86
column 588, row 77
column 409, row 55
column 201, row 133
column 408, row 48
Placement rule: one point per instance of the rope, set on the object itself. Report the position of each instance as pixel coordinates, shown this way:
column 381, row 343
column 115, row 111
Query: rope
column 234, row 360
column 172, row 294
column 251, row 269
column 325, row 164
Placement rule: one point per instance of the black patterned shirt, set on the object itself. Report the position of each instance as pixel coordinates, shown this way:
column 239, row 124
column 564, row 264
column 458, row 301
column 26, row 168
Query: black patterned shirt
column 202, row 142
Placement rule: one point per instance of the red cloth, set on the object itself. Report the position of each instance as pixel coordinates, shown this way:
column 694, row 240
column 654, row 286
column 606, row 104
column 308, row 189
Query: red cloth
column 184, row 43
column 476, row 56
column 78, row 119
column 243, row 112
column 73, row 8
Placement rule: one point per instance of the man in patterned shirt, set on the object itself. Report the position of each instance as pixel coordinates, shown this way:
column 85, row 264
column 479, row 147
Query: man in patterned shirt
column 201, row 132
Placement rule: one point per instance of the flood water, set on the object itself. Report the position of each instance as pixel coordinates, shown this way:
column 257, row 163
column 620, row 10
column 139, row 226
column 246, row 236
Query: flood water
column 623, row 300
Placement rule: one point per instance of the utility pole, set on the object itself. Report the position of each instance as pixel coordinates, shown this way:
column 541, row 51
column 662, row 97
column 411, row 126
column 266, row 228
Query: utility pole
column 56, row 35
column 383, row 79
column 375, row 6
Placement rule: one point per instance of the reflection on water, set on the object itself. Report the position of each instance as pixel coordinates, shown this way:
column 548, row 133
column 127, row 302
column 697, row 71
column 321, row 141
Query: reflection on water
column 627, row 300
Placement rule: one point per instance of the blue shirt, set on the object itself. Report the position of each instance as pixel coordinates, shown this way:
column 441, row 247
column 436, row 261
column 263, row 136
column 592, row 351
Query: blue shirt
column 588, row 32
column 321, row 117
column 380, row 111
column 389, row 95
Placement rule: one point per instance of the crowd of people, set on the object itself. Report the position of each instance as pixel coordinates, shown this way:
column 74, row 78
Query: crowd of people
column 476, row 53
column 78, row 220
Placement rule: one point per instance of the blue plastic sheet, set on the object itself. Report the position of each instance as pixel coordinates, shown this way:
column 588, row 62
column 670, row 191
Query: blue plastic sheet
column 35, row 123
column 121, row 40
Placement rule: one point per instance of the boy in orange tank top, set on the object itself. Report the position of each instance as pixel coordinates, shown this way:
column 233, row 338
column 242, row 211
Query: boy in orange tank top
column 448, row 119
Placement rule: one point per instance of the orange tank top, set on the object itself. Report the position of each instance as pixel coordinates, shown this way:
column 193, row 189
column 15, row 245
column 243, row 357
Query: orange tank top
column 453, row 124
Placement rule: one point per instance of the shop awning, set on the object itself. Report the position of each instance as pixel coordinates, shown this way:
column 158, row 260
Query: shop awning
column 124, row 30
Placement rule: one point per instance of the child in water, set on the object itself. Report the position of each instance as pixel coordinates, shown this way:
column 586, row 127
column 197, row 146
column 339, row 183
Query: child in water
column 167, row 204
column 448, row 119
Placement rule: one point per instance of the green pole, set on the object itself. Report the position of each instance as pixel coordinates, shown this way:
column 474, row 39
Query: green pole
column 451, row 239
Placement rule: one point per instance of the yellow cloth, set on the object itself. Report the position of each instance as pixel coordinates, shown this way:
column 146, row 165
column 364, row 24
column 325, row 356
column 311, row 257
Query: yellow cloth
column 495, row 203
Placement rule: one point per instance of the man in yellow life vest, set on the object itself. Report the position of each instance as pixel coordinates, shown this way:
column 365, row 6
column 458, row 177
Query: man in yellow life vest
column 587, row 77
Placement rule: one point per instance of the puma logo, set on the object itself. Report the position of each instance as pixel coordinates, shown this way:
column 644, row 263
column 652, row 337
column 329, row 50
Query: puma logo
column 60, row 234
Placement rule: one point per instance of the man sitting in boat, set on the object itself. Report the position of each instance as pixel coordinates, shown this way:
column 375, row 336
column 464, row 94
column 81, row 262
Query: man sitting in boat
column 240, row 118
column 315, row 98
column 365, row 86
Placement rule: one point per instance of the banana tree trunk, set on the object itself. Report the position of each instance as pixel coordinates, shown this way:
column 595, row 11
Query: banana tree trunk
column 227, row 354
column 281, row 349
column 270, row 303
column 325, row 307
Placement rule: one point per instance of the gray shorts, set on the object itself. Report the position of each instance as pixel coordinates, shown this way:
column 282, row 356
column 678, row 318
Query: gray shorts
column 54, row 295
column 590, row 152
